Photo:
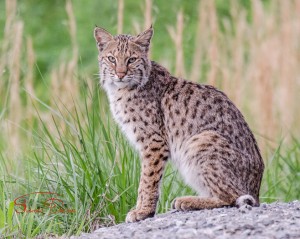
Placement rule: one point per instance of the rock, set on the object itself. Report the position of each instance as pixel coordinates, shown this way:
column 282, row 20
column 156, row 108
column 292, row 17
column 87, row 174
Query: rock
column 275, row 220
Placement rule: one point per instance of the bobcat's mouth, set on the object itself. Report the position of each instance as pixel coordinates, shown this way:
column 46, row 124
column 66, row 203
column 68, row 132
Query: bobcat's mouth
column 124, row 82
column 120, row 82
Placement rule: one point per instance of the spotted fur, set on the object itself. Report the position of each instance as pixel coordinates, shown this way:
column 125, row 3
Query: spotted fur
column 195, row 126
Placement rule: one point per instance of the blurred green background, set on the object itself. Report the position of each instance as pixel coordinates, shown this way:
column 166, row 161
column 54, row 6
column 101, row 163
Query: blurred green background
column 57, row 133
column 47, row 23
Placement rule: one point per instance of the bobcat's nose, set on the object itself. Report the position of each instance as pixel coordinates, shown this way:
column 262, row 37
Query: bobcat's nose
column 121, row 75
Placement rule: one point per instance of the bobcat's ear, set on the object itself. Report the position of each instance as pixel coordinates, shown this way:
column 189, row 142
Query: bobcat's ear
column 144, row 38
column 102, row 37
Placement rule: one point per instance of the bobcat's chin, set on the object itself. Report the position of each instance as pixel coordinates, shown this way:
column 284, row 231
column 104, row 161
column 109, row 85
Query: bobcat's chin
column 120, row 84
column 115, row 84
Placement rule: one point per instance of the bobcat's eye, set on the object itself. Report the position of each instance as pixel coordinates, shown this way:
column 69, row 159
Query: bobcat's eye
column 112, row 59
column 131, row 60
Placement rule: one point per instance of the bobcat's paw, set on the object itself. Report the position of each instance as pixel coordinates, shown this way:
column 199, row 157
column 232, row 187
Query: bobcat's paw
column 138, row 215
column 183, row 203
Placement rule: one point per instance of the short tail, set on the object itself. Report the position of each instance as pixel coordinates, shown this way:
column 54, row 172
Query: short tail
column 246, row 200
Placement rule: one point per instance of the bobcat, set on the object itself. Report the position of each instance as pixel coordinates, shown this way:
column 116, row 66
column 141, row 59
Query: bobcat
column 194, row 126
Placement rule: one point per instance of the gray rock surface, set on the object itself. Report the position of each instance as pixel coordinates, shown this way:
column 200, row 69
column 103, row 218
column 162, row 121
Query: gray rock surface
column 275, row 220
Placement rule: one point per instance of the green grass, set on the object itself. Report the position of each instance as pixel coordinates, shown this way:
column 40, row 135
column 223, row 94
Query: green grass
column 96, row 172
column 89, row 163
column 282, row 175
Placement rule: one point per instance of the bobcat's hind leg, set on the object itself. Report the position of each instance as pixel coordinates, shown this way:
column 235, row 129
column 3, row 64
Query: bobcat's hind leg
column 214, row 169
column 189, row 203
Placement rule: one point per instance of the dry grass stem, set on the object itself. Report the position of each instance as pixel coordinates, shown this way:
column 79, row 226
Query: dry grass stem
column 201, row 40
column 120, row 16
column 213, row 47
column 148, row 14
column 15, row 105
column 177, row 38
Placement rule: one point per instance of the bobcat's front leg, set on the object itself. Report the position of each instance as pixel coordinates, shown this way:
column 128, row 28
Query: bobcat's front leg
column 153, row 164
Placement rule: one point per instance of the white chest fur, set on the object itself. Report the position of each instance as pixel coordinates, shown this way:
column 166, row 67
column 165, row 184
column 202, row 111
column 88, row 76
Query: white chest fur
column 120, row 111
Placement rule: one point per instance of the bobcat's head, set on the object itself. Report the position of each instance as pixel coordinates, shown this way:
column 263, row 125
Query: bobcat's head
column 123, row 59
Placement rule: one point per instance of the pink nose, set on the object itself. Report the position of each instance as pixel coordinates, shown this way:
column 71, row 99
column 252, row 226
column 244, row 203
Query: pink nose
column 121, row 75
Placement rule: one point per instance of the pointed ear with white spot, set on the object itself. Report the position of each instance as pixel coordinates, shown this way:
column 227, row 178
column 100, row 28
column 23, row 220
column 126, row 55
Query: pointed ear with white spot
column 102, row 37
column 144, row 38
